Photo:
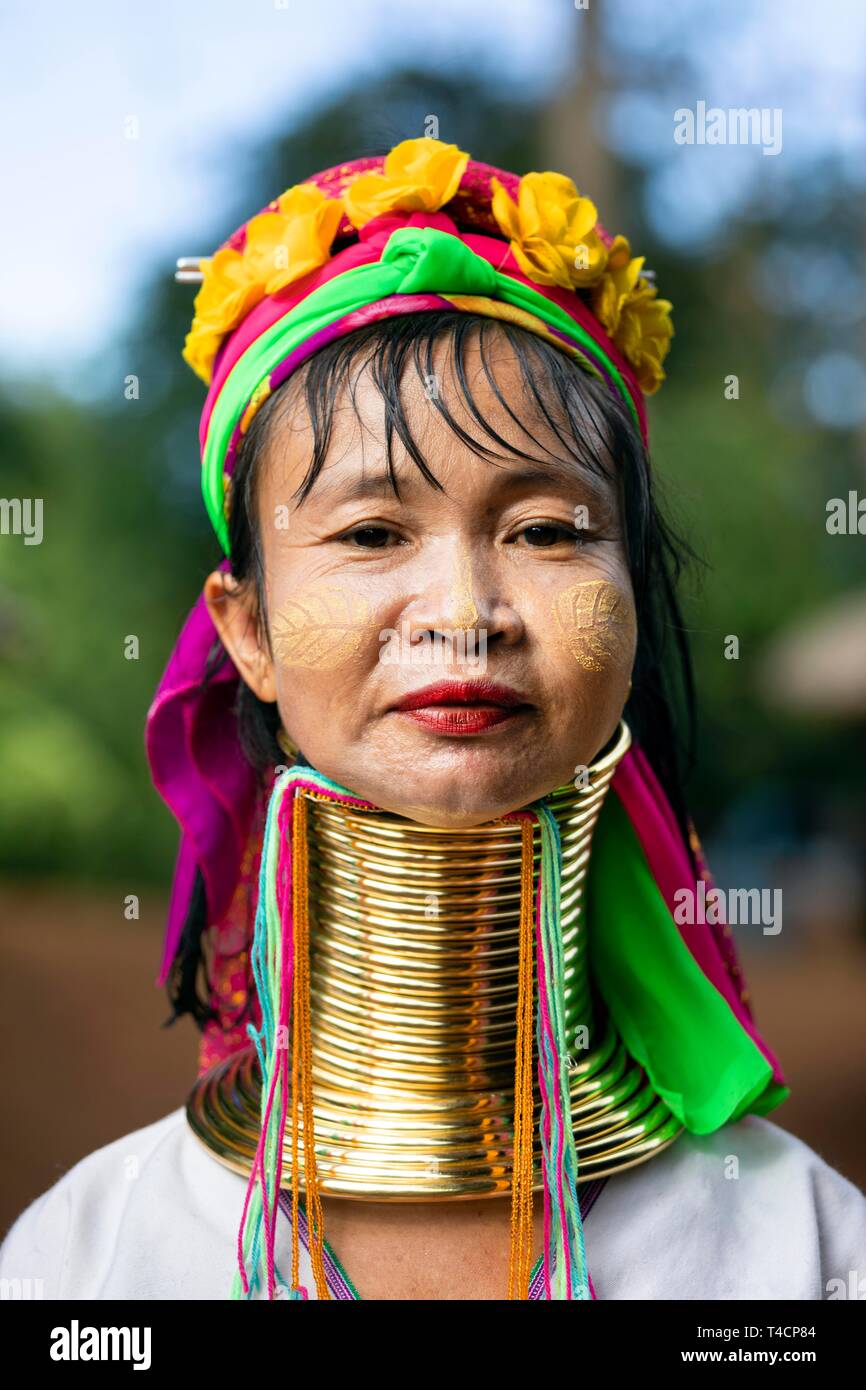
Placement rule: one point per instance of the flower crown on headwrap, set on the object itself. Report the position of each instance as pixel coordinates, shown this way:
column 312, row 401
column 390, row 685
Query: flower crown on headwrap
column 424, row 228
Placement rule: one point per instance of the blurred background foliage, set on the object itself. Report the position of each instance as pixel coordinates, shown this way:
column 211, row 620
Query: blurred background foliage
column 747, row 480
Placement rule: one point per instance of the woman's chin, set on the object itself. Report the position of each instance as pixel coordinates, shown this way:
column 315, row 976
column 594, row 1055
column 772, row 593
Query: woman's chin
column 445, row 819
column 448, row 812
column 451, row 785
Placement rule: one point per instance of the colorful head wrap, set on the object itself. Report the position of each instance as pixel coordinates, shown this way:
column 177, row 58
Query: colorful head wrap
column 425, row 228
column 404, row 235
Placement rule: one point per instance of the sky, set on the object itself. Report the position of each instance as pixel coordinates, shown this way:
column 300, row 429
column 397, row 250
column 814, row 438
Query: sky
column 202, row 78
column 123, row 120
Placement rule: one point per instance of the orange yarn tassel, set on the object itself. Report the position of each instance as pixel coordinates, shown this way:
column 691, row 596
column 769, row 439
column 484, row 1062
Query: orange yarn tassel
column 520, row 1261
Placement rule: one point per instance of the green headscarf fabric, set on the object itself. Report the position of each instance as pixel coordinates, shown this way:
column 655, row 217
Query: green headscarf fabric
column 672, row 1019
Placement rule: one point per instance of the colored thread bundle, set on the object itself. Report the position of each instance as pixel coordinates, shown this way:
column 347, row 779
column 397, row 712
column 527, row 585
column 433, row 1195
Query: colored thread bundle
column 564, row 1248
column 521, row 1193
column 281, row 966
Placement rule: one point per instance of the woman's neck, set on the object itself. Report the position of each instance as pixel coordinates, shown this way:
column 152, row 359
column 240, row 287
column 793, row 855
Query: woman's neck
column 414, row 983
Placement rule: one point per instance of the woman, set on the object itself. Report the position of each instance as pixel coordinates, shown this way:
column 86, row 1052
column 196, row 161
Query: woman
column 420, row 735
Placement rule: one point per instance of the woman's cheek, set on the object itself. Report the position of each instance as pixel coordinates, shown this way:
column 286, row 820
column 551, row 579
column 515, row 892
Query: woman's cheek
column 321, row 627
column 594, row 621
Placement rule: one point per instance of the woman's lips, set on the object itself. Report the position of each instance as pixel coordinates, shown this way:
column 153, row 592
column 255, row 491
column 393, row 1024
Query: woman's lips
column 462, row 707
column 462, row 719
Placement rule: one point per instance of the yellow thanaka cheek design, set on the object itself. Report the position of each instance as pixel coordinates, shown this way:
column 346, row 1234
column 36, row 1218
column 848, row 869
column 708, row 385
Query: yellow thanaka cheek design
column 594, row 621
column 466, row 615
column 319, row 629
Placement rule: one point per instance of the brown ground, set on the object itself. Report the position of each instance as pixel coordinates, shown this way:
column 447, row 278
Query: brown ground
column 88, row 1060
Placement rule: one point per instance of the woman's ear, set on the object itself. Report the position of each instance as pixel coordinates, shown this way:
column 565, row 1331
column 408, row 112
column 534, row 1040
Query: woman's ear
column 233, row 608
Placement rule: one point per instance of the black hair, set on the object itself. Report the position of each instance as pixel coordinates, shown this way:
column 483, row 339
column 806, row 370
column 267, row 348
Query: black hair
column 594, row 429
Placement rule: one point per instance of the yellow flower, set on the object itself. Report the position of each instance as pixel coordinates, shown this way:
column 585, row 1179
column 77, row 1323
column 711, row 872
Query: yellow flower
column 420, row 176
column 645, row 335
column 551, row 230
column 282, row 246
column 628, row 307
column 226, row 296
column 620, row 277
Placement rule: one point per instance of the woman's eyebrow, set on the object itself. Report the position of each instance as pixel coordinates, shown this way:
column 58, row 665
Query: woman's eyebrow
column 357, row 488
column 570, row 477
column 557, row 473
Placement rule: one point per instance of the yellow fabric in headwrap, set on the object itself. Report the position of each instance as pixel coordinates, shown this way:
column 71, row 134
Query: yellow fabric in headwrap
column 498, row 309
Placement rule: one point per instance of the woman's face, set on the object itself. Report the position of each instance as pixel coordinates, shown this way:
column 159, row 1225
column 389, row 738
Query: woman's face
column 514, row 574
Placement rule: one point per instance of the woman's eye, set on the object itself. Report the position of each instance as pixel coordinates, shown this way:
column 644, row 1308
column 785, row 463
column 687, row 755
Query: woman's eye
column 547, row 533
column 369, row 537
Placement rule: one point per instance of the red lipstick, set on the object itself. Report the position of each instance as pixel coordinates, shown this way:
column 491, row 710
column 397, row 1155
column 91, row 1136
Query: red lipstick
column 462, row 707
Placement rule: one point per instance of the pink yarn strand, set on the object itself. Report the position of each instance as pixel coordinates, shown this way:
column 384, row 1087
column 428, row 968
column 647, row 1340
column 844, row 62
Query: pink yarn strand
column 547, row 1030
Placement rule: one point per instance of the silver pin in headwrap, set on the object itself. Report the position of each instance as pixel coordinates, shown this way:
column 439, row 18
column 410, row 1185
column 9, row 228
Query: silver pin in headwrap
column 188, row 272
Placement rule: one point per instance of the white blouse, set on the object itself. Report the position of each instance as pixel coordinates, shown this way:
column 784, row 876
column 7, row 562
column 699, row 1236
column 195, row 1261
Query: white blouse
column 747, row 1212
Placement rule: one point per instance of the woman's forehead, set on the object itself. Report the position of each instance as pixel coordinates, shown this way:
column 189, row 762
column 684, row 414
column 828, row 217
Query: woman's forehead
column 351, row 479
column 479, row 416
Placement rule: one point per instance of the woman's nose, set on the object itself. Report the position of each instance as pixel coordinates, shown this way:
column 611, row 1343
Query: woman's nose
column 462, row 594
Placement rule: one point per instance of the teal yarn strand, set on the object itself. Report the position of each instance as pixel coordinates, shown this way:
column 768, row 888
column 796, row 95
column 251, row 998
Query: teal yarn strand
column 261, row 959
column 566, row 1275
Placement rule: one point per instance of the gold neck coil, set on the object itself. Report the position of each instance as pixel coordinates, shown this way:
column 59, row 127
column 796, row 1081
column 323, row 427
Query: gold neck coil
column 414, row 984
